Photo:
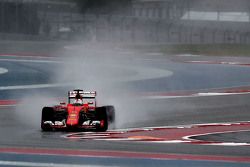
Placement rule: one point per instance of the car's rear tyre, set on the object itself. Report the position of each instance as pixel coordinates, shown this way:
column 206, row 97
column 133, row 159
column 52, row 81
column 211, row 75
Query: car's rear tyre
column 47, row 115
column 110, row 113
column 103, row 118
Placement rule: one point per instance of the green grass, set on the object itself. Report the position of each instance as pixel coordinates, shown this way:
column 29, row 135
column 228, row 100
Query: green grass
column 41, row 47
column 198, row 49
column 47, row 47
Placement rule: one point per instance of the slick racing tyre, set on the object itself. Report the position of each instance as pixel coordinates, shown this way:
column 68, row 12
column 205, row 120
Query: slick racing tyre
column 47, row 115
column 110, row 113
column 103, row 118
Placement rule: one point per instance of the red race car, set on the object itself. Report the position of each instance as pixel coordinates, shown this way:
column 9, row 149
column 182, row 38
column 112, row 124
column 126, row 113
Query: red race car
column 81, row 113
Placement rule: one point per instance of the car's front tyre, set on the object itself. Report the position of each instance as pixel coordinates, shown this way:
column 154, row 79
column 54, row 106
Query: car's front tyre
column 47, row 115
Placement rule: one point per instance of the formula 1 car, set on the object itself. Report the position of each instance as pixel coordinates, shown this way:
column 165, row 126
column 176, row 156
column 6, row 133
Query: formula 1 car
column 81, row 113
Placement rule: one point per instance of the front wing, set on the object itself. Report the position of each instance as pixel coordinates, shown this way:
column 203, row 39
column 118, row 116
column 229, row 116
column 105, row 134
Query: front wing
column 89, row 124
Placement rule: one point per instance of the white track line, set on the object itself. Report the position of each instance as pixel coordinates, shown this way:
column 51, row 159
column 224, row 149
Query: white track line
column 188, row 55
column 3, row 70
column 178, row 126
column 185, row 139
column 38, row 86
column 30, row 61
column 195, row 95
column 40, row 164
column 190, row 138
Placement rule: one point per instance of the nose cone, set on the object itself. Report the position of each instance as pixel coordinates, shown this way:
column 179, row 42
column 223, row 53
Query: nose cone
column 72, row 119
column 73, row 116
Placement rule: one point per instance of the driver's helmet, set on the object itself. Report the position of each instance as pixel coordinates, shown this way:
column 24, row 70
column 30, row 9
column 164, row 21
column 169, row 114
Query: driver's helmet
column 78, row 99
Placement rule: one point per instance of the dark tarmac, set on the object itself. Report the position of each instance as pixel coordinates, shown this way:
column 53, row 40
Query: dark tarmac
column 18, row 132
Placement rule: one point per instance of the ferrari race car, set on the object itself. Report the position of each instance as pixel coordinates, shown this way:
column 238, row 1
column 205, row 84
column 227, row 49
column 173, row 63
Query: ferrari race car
column 81, row 113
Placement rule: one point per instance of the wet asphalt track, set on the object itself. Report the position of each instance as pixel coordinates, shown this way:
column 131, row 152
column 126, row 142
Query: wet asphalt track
column 179, row 111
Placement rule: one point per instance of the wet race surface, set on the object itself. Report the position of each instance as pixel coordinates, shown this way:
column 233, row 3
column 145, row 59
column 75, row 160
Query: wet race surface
column 169, row 112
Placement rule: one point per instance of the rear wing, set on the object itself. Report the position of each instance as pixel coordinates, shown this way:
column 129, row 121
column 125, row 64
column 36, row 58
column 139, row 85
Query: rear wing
column 83, row 94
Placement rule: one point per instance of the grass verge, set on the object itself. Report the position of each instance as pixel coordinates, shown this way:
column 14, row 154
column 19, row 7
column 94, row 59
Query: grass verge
column 198, row 49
